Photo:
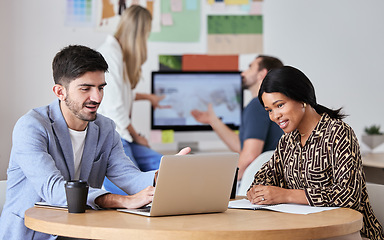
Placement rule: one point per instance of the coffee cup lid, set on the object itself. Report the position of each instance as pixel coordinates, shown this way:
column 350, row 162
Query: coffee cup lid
column 76, row 183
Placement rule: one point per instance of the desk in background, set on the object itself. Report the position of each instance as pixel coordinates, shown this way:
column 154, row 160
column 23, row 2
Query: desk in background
column 232, row 224
column 373, row 165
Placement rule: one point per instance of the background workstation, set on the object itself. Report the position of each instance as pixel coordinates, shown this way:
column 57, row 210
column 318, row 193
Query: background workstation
column 338, row 44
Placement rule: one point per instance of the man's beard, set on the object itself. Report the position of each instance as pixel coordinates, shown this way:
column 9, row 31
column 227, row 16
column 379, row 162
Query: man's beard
column 244, row 86
column 76, row 110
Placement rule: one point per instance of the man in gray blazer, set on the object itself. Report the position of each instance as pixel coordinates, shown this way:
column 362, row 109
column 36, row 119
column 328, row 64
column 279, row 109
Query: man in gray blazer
column 68, row 140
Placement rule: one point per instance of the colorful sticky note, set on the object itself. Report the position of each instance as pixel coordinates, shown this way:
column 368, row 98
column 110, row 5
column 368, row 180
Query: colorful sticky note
column 166, row 19
column 235, row 2
column 155, row 136
column 191, row 4
column 245, row 7
column 167, row 136
column 176, row 5
column 256, row 8
column 218, row 6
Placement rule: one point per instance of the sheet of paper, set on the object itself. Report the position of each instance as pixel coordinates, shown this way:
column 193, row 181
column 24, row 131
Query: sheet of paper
column 244, row 204
column 236, row 2
column 176, row 5
column 166, row 19
column 46, row 205
column 155, row 136
column 191, row 4
column 298, row 208
column 286, row 208
column 229, row 44
column 255, row 8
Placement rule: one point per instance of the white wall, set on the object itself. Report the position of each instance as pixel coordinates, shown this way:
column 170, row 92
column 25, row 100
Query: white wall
column 338, row 44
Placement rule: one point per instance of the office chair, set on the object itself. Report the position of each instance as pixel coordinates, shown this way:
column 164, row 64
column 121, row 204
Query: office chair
column 376, row 196
column 250, row 171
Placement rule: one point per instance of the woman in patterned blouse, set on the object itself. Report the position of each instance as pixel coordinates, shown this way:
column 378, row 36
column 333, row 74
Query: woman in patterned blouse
column 317, row 160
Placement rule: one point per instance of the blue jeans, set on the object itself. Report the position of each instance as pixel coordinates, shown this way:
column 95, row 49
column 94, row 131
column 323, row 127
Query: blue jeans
column 143, row 157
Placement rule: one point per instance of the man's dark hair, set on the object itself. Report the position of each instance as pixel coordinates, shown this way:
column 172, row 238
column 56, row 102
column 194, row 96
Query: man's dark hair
column 269, row 62
column 74, row 61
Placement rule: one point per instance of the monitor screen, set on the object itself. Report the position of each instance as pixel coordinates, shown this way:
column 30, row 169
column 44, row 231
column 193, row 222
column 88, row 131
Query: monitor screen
column 186, row 91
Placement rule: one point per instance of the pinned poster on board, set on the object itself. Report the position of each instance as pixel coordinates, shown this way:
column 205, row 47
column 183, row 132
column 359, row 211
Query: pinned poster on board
column 80, row 13
column 180, row 21
column 109, row 12
column 198, row 62
column 251, row 7
column 234, row 34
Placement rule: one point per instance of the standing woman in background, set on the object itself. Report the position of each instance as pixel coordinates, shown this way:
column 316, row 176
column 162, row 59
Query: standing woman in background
column 125, row 53
column 317, row 161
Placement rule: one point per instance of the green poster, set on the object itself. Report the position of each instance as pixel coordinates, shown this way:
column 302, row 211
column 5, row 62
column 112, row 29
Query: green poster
column 235, row 24
column 186, row 23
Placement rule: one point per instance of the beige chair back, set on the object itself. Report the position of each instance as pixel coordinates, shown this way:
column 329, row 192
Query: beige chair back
column 251, row 170
column 3, row 188
column 376, row 196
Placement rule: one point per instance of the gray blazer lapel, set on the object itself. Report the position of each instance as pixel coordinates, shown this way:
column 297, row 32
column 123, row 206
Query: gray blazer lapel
column 89, row 150
column 61, row 132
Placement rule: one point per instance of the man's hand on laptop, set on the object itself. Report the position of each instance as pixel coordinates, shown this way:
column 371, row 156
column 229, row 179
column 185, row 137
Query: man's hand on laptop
column 184, row 151
column 137, row 200
column 140, row 199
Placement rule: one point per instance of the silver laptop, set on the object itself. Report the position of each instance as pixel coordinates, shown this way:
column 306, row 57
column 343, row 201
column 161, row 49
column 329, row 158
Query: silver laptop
column 190, row 184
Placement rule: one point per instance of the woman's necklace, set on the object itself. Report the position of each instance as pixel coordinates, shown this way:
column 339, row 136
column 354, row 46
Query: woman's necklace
column 302, row 134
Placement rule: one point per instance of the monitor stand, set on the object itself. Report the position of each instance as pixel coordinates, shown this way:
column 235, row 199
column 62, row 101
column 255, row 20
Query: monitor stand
column 193, row 145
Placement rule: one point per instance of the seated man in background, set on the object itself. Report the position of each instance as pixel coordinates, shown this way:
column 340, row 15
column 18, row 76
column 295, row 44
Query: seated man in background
column 68, row 140
column 257, row 132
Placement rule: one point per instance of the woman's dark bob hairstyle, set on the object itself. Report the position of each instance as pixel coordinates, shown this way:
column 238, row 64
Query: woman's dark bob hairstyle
column 294, row 84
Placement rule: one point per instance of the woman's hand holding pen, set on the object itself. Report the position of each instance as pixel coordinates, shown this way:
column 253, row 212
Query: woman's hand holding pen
column 261, row 194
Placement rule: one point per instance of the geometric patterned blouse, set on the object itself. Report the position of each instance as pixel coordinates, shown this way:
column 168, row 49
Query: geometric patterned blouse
column 328, row 168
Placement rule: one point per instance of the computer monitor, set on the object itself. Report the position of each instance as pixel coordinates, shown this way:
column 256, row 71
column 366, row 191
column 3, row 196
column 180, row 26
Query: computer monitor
column 186, row 91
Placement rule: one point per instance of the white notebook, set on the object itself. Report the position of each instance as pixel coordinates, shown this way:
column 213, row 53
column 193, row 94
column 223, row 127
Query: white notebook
column 285, row 207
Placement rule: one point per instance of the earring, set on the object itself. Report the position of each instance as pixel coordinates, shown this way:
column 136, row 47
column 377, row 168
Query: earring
column 304, row 105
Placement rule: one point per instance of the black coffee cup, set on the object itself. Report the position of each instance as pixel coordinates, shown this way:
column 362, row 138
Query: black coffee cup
column 77, row 194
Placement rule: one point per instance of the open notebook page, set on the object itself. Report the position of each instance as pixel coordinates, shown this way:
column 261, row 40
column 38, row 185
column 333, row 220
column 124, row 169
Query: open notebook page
column 285, row 207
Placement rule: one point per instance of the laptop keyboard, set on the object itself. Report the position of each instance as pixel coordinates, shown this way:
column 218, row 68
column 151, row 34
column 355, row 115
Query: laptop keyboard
column 144, row 209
